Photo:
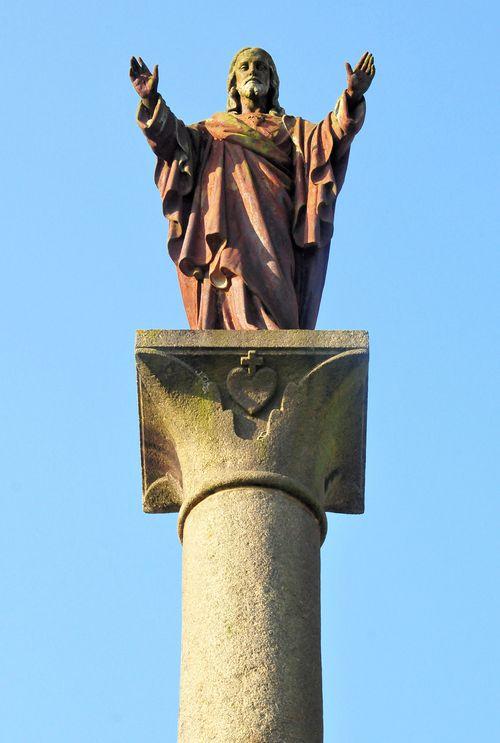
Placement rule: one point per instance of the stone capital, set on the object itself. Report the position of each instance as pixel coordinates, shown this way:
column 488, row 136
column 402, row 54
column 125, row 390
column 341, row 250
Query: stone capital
column 280, row 409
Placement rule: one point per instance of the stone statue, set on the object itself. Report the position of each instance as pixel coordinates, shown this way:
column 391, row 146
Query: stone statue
column 250, row 195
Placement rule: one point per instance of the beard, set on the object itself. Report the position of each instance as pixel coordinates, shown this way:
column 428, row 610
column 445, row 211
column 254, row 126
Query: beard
column 253, row 89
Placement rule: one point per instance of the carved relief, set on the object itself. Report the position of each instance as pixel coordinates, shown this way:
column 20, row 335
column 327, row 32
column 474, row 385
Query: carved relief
column 249, row 386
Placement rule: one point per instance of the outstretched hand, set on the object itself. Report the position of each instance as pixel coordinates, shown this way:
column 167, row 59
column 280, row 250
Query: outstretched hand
column 145, row 82
column 360, row 79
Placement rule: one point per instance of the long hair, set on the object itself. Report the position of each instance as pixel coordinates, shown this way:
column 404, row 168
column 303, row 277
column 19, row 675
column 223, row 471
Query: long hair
column 233, row 97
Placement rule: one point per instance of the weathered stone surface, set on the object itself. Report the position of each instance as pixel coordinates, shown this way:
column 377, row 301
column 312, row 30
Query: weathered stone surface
column 300, row 427
column 250, row 194
column 251, row 664
column 251, row 436
column 252, row 391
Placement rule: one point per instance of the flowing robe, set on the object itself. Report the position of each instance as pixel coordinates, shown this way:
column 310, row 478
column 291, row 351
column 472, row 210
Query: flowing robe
column 250, row 200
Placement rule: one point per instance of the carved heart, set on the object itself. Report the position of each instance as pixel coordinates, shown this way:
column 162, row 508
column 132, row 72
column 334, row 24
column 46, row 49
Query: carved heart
column 252, row 392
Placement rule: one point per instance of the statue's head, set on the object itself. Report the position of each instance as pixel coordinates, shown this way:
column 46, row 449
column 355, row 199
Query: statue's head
column 253, row 72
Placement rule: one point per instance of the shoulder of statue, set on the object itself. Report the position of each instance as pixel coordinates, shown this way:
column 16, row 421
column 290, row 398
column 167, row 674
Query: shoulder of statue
column 221, row 116
column 292, row 122
column 202, row 125
column 295, row 124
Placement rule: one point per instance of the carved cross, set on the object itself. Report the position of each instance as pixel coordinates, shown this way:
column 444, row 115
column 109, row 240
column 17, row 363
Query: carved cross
column 251, row 361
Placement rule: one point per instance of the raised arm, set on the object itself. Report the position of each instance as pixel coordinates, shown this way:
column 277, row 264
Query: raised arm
column 321, row 158
column 163, row 130
column 349, row 113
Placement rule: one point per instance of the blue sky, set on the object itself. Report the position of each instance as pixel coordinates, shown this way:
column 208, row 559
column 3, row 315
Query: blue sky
column 90, row 619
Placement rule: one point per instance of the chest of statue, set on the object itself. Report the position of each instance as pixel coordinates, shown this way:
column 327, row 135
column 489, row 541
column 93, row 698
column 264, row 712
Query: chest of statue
column 262, row 134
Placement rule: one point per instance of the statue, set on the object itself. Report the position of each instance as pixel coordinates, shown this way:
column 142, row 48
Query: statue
column 250, row 195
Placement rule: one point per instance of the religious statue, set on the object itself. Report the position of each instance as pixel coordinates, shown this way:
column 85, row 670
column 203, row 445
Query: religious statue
column 250, row 194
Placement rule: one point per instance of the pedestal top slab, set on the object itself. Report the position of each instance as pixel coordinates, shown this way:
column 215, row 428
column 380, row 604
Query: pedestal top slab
column 281, row 340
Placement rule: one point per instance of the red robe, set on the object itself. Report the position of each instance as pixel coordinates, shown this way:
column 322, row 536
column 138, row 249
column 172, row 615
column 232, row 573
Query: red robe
column 250, row 199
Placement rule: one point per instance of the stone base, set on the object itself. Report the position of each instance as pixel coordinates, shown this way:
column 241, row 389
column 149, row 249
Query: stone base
column 253, row 435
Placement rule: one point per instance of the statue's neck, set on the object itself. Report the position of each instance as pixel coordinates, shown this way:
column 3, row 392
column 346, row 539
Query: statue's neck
column 253, row 105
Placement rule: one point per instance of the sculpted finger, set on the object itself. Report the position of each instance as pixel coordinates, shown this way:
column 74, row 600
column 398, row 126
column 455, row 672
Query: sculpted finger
column 144, row 66
column 155, row 74
column 361, row 62
column 134, row 66
column 367, row 63
column 348, row 69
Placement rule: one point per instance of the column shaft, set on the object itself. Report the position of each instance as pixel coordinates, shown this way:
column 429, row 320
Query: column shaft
column 251, row 663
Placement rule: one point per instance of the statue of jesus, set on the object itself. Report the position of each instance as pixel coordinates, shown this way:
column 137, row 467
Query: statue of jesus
column 250, row 194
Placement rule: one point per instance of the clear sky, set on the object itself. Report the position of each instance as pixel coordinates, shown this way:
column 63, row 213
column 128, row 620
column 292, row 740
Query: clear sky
column 90, row 616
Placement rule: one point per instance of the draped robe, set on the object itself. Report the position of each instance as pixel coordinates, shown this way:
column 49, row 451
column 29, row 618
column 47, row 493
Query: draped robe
column 250, row 201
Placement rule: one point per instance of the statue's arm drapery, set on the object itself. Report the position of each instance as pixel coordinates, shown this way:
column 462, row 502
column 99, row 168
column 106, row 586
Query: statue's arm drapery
column 178, row 149
column 321, row 157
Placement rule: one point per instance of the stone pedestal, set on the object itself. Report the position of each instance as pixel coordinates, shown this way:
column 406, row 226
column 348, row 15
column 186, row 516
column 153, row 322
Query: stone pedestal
column 252, row 436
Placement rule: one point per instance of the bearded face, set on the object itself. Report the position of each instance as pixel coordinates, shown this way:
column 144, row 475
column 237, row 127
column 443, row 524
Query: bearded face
column 253, row 75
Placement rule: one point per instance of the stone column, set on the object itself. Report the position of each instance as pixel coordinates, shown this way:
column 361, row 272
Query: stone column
column 252, row 436
column 251, row 664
